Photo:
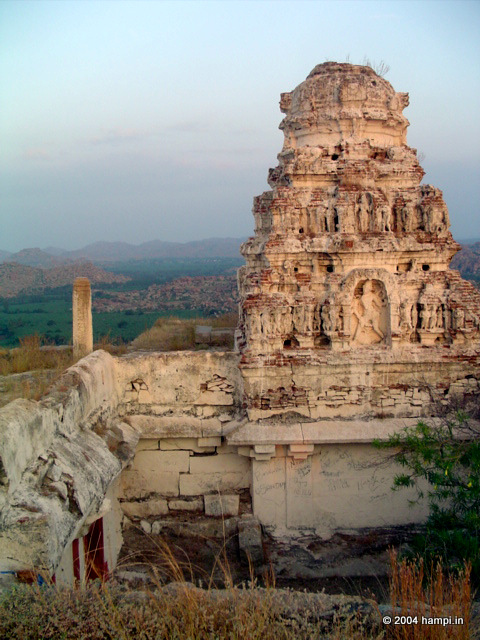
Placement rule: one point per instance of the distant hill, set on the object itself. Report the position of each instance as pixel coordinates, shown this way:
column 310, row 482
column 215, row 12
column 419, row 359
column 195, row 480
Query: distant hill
column 116, row 251
column 35, row 257
column 467, row 261
column 18, row 278
column 121, row 251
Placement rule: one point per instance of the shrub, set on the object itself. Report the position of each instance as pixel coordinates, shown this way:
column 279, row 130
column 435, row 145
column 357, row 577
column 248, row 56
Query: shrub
column 445, row 453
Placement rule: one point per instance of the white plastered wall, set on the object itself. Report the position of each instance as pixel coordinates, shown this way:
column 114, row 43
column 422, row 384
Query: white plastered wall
column 340, row 487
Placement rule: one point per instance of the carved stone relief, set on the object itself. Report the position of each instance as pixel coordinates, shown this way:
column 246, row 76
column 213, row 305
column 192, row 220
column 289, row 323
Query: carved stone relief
column 350, row 249
column 369, row 313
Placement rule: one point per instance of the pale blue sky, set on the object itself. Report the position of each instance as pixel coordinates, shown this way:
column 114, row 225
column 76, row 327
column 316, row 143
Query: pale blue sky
column 137, row 120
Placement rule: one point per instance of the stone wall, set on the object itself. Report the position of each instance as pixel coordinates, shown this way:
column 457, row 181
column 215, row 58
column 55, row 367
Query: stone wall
column 58, row 458
column 338, row 488
column 168, row 433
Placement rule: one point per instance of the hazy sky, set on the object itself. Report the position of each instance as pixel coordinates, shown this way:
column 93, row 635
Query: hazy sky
column 142, row 120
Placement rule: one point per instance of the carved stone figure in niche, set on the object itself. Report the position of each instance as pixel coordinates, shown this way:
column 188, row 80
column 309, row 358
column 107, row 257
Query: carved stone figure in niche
column 386, row 218
column 338, row 315
column 406, row 219
column 298, row 318
column 268, row 322
column 365, row 212
column 309, row 313
column 326, row 318
column 414, row 316
column 282, row 320
column 320, row 218
column 446, row 317
column 422, row 218
column 336, row 219
column 438, row 220
column 428, row 316
column 369, row 313
column 439, row 322
column 330, row 219
column 406, row 316
column 433, row 220
column 274, row 279
column 317, row 318
column 348, row 222
column 254, row 323
column 458, row 318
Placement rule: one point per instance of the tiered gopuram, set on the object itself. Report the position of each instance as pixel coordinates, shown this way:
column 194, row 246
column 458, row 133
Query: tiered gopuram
column 351, row 253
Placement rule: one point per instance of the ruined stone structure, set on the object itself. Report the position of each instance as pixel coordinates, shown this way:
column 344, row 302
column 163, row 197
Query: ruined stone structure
column 82, row 318
column 348, row 273
column 351, row 327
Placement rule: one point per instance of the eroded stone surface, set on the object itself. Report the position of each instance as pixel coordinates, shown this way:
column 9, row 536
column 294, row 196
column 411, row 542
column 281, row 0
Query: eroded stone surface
column 350, row 255
column 221, row 505
column 250, row 541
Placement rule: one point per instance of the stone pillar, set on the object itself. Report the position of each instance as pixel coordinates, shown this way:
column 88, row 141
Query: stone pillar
column 82, row 318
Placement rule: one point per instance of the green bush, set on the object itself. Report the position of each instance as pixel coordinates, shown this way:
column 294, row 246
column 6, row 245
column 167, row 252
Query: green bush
column 445, row 453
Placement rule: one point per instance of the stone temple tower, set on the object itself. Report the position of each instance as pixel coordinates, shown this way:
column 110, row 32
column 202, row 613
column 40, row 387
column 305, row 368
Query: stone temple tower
column 348, row 270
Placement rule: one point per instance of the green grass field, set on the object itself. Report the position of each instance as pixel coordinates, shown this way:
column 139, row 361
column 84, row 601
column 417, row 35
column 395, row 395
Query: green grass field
column 49, row 313
column 52, row 319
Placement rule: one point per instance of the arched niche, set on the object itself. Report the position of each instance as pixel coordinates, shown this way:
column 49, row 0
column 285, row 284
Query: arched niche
column 385, row 289
column 369, row 313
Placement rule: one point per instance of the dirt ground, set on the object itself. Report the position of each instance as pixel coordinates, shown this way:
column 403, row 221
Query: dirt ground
column 353, row 565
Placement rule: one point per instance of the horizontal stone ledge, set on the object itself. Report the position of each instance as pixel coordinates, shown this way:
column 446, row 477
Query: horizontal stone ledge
column 151, row 426
column 320, row 432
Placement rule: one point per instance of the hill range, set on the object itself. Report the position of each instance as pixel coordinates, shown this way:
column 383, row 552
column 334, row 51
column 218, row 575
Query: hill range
column 101, row 252
column 33, row 270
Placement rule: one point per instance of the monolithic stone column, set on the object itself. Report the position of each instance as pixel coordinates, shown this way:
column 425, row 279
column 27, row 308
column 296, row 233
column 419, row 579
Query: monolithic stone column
column 82, row 318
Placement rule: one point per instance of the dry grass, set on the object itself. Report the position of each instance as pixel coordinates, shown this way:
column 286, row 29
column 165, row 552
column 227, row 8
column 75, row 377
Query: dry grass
column 167, row 334
column 175, row 334
column 110, row 611
column 43, row 365
column 29, row 356
column 446, row 595
column 180, row 611
column 177, row 611
column 106, row 344
column 40, row 366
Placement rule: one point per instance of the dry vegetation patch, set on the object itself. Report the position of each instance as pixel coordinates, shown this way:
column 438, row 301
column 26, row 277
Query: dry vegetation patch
column 177, row 611
column 28, row 371
column 180, row 610
column 31, row 356
column 175, row 334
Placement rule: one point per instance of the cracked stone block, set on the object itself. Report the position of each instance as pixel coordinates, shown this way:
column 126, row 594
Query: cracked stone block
column 145, row 509
column 250, row 541
column 186, row 505
column 202, row 483
column 221, row 505
column 137, row 484
column 228, row 462
column 147, row 444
